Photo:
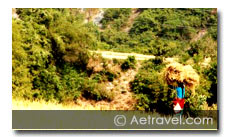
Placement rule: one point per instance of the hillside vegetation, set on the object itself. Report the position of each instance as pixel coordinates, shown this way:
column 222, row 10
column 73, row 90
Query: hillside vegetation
column 51, row 58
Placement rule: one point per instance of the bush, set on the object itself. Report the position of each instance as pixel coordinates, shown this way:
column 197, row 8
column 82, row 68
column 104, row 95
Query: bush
column 145, row 22
column 116, row 17
column 66, row 86
column 114, row 38
column 164, row 48
column 130, row 62
column 211, row 73
column 77, row 55
column 48, row 83
column 105, row 75
column 31, row 53
column 71, row 41
column 92, row 90
column 21, row 78
column 152, row 93
column 117, row 61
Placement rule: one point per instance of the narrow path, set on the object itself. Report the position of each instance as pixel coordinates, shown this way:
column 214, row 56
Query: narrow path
column 119, row 55
column 139, row 57
column 123, row 99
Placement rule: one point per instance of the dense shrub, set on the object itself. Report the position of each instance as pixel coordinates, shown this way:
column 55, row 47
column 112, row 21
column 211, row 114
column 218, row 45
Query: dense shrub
column 105, row 75
column 164, row 48
column 152, row 93
column 116, row 17
column 92, row 90
column 21, row 78
column 211, row 73
column 114, row 38
column 130, row 62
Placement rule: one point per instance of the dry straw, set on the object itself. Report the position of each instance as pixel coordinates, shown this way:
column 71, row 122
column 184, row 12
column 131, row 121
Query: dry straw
column 177, row 73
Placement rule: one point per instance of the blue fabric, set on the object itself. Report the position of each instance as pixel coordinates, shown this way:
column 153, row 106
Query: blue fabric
column 180, row 92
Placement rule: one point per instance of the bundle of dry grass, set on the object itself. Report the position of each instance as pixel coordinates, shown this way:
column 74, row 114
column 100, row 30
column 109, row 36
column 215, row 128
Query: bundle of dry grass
column 174, row 73
column 177, row 73
column 191, row 78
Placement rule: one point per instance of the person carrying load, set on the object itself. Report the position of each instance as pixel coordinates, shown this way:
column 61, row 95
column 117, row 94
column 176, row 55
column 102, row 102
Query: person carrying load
column 180, row 76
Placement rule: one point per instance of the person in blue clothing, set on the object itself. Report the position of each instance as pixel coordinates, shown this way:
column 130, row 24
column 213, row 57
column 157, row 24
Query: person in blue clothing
column 179, row 100
column 180, row 91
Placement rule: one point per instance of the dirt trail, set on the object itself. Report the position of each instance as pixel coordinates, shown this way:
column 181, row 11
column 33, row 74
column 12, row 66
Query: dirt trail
column 123, row 97
column 139, row 57
column 119, row 55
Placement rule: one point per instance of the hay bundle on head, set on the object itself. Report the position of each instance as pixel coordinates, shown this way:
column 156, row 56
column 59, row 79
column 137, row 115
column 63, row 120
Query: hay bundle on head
column 177, row 73
column 174, row 74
